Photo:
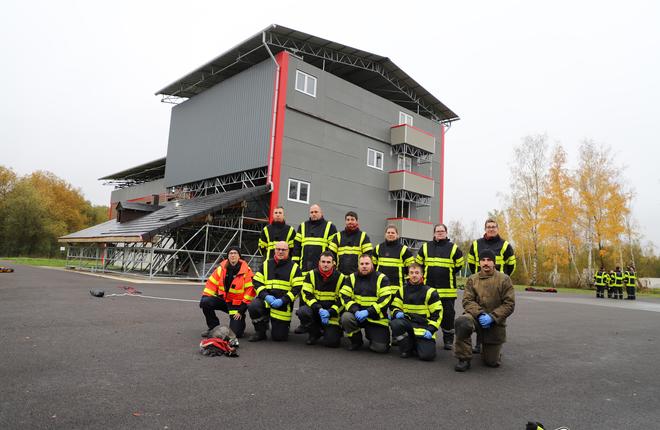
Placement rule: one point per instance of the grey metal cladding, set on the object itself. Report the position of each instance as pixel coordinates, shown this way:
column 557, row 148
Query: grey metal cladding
column 138, row 190
column 223, row 130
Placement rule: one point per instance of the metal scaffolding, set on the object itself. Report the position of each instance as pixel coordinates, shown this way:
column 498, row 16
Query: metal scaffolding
column 188, row 252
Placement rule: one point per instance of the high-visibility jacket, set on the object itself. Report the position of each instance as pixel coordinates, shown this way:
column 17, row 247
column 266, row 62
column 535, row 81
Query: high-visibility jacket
column 392, row 259
column 618, row 279
column 505, row 258
column 631, row 278
column 319, row 293
column 441, row 260
column 610, row 278
column 421, row 305
column 281, row 279
column 312, row 238
column 600, row 278
column 348, row 246
column 273, row 233
column 372, row 292
column 241, row 290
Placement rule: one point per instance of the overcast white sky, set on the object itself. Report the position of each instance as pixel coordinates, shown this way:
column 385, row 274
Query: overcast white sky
column 80, row 78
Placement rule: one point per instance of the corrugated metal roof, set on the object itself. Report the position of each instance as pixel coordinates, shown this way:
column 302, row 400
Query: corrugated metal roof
column 147, row 171
column 372, row 72
column 175, row 214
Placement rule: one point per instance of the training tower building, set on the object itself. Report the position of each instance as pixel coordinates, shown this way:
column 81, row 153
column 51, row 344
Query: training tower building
column 284, row 118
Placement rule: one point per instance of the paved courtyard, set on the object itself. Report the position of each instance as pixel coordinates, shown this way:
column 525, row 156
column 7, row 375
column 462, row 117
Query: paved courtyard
column 69, row 360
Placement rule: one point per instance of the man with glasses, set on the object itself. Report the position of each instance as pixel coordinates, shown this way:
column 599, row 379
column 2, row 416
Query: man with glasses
column 277, row 285
column 442, row 260
column 505, row 258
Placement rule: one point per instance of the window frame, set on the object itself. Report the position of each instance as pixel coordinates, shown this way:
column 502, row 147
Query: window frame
column 403, row 117
column 404, row 159
column 306, row 77
column 298, row 183
column 376, row 152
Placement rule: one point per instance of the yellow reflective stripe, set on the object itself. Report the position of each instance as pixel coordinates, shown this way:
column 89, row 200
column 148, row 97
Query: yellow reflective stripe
column 365, row 300
column 314, row 241
column 209, row 291
column 248, row 297
column 280, row 315
column 213, row 280
column 416, row 309
column 390, row 262
column 236, row 291
column 325, row 295
column 354, row 250
column 261, row 288
column 446, row 292
column 420, row 332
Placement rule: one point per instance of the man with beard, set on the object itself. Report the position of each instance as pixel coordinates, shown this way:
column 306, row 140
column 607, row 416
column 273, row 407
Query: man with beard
column 274, row 232
column 488, row 300
column 322, row 307
column 505, row 258
column 312, row 238
column 228, row 289
column 349, row 244
column 366, row 296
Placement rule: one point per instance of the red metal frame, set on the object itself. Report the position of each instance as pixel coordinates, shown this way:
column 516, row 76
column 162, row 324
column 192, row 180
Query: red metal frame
column 412, row 173
column 441, row 195
column 409, row 219
column 282, row 59
column 412, row 126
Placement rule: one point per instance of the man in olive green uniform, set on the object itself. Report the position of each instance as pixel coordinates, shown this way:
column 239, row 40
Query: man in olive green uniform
column 488, row 301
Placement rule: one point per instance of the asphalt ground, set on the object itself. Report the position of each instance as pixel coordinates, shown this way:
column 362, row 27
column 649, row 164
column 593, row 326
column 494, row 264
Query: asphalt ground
column 69, row 360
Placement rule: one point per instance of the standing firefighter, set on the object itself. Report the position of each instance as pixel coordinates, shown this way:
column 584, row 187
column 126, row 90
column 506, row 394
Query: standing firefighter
column 630, row 278
column 277, row 284
column 416, row 315
column 488, row 300
column 322, row 307
column 618, row 283
column 312, row 238
column 349, row 244
column 600, row 281
column 392, row 257
column 442, row 260
column 366, row 296
column 274, row 232
column 228, row 289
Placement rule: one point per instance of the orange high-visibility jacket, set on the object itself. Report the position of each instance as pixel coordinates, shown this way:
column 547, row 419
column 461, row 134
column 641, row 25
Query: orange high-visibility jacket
column 240, row 290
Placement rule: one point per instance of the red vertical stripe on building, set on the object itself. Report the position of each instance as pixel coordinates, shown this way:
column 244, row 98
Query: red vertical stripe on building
column 441, row 196
column 282, row 59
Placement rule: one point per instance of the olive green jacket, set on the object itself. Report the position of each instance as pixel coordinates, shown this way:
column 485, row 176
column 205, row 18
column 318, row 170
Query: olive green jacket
column 492, row 294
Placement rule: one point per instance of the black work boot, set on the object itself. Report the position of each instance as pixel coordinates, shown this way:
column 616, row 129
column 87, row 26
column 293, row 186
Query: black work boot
column 462, row 365
column 258, row 336
column 356, row 342
column 312, row 339
column 448, row 340
column 205, row 333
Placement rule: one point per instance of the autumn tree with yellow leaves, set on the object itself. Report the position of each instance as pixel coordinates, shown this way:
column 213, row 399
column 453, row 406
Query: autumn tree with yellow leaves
column 38, row 208
column 560, row 220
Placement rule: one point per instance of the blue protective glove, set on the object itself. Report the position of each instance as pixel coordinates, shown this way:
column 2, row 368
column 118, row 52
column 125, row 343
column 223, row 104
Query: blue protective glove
column 428, row 335
column 399, row 315
column 269, row 299
column 485, row 320
column 325, row 321
column 361, row 315
column 276, row 303
column 324, row 314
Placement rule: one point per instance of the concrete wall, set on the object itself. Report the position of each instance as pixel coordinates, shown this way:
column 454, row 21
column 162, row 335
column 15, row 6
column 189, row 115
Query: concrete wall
column 325, row 143
column 222, row 130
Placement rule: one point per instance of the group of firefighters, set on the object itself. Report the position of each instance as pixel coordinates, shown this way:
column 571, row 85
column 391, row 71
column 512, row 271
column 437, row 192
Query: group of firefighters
column 614, row 282
column 346, row 285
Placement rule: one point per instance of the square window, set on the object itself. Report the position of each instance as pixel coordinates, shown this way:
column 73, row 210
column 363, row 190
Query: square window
column 374, row 159
column 305, row 83
column 298, row 191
